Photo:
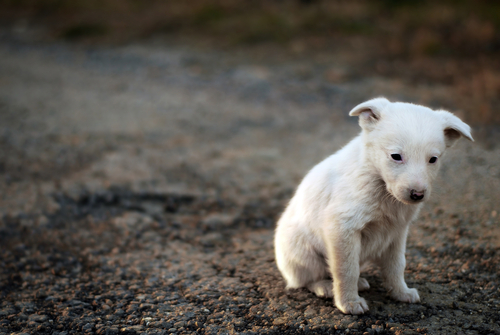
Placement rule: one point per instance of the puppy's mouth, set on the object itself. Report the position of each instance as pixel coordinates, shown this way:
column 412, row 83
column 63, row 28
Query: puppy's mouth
column 408, row 200
column 386, row 193
column 394, row 197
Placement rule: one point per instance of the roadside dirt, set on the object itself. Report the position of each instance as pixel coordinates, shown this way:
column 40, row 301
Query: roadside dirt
column 141, row 185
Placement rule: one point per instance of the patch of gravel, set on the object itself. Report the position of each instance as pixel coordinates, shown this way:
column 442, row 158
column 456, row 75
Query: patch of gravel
column 141, row 185
column 105, row 264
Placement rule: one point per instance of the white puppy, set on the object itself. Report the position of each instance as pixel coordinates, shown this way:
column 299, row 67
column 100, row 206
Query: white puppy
column 355, row 207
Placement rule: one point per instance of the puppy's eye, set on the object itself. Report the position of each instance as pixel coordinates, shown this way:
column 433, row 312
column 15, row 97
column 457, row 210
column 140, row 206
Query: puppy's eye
column 397, row 157
column 433, row 160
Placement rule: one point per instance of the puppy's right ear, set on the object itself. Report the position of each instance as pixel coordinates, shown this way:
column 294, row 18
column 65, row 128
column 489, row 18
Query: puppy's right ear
column 454, row 128
column 369, row 112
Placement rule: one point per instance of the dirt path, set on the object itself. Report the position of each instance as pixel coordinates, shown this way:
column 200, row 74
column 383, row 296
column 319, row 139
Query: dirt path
column 140, row 187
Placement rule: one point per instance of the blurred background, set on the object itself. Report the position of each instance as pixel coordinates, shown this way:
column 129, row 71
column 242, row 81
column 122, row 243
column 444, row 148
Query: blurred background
column 142, row 142
column 456, row 43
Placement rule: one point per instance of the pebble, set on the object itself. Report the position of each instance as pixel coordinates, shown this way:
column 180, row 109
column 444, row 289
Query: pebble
column 310, row 313
column 355, row 325
column 38, row 318
column 280, row 321
column 119, row 311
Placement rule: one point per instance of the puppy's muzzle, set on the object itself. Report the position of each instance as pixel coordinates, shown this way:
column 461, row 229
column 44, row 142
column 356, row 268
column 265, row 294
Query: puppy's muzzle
column 416, row 195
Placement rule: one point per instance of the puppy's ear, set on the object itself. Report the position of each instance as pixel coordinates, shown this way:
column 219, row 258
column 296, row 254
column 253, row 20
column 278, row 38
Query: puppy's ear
column 454, row 128
column 369, row 112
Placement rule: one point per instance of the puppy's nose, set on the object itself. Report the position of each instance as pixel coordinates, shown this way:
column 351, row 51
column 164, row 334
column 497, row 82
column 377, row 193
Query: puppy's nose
column 416, row 195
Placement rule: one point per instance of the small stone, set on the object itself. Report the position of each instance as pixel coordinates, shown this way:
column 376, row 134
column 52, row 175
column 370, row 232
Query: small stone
column 239, row 322
column 145, row 306
column 23, row 317
column 310, row 313
column 41, row 294
column 179, row 324
column 217, row 221
column 344, row 322
column 354, row 325
column 279, row 321
column 119, row 311
column 392, row 324
column 136, row 328
column 111, row 331
column 38, row 318
column 211, row 239
column 88, row 326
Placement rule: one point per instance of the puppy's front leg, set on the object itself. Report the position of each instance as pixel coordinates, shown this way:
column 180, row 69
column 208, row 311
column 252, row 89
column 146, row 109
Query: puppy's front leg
column 392, row 265
column 344, row 251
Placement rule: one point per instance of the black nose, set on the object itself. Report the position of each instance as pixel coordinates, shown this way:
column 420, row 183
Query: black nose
column 417, row 196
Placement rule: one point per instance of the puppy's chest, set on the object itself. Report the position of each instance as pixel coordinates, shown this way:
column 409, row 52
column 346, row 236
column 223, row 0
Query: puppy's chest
column 378, row 235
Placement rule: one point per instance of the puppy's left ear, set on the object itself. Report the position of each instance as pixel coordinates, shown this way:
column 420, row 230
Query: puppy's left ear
column 454, row 128
column 369, row 112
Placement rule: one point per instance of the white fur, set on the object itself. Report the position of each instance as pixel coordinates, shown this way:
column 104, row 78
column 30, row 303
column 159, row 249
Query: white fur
column 355, row 207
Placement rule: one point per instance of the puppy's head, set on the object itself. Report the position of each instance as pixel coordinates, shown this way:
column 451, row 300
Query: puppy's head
column 405, row 142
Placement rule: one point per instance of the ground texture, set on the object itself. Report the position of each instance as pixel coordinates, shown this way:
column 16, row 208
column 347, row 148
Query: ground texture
column 140, row 186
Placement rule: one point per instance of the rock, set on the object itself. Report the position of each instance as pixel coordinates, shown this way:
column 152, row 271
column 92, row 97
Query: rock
column 392, row 324
column 38, row 318
column 279, row 321
column 355, row 325
column 119, row 312
column 218, row 220
column 136, row 328
column 88, row 326
column 309, row 313
column 212, row 239
column 111, row 331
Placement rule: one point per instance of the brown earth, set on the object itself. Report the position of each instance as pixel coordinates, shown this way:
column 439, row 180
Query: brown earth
column 141, row 184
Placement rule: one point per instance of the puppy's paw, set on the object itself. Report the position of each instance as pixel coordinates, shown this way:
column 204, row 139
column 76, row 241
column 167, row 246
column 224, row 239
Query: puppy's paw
column 363, row 284
column 358, row 306
column 322, row 288
column 408, row 295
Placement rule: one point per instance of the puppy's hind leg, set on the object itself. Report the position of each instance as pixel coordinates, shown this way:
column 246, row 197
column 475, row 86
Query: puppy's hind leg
column 308, row 271
column 322, row 288
column 363, row 284
column 320, row 283
column 304, row 268
column 297, row 258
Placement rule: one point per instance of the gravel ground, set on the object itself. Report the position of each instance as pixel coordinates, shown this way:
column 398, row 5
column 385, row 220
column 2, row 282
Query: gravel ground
column 141, row 185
